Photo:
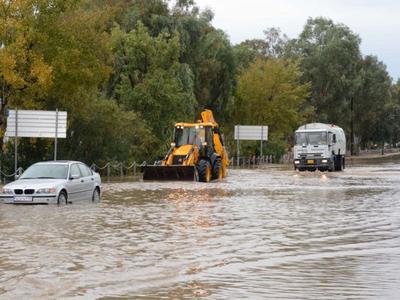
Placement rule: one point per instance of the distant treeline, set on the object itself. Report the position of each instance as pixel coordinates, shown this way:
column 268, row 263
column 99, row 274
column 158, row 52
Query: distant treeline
column 127, row 70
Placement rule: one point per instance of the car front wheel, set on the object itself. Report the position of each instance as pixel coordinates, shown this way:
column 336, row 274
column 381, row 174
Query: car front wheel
column 62, row 198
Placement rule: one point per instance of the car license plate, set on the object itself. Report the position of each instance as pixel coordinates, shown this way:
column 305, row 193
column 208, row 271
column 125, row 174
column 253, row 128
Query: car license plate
column 22, row 199
column 310, row 161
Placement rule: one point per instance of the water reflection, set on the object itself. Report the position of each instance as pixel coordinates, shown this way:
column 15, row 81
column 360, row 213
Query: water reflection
column 258, row 234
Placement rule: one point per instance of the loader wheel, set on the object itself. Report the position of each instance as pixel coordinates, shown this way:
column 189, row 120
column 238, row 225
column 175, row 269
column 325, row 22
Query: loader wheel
column 204, row 169
column 217, row 170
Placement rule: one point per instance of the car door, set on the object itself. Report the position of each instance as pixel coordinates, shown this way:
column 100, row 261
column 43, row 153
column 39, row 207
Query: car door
column 88, row 181
column 76, row 187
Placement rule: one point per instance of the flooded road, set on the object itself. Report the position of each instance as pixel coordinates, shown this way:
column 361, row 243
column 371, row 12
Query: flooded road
column 260, row 234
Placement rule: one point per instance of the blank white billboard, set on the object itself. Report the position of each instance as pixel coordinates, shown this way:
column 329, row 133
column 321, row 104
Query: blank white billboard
column 251, row 133
column 37, row 123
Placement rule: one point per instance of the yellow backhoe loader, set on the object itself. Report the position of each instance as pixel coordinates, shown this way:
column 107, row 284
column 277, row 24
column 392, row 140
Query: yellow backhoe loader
column 196, row 154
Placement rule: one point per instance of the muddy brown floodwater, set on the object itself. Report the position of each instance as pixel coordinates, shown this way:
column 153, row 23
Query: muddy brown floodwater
column 260, row 234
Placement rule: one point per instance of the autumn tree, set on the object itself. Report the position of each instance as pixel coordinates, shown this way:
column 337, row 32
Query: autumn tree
column 25, row 76
column 270, row 93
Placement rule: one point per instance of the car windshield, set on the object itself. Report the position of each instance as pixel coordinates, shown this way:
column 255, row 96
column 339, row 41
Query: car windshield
column 311, row 138
column 46, row 171
column 190, row 136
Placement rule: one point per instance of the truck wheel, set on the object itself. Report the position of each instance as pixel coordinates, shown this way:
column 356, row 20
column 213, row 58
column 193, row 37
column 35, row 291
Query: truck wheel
column 341, row 164
column 338, row 163
column 217, row 170
column 332, row 166
column 204, row 170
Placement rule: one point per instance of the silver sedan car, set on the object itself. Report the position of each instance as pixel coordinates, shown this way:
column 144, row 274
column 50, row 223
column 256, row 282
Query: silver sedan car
column 59, row 182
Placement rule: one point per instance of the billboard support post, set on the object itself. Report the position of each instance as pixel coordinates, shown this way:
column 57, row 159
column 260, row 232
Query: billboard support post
column 56, row 136
column 238, row 148
column 16, row 143
column 262, row 139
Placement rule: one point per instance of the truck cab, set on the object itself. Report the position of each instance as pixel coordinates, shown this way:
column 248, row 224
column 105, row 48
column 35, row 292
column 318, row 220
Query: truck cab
column 319, row 146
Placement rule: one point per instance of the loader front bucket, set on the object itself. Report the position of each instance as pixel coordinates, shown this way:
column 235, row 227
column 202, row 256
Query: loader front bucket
column 180, row 173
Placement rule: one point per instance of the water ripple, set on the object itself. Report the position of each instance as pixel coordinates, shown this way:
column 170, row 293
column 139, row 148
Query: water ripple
column 259, row 234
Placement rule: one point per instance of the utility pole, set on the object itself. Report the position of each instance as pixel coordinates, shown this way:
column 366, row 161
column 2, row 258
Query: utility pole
column 352, row 152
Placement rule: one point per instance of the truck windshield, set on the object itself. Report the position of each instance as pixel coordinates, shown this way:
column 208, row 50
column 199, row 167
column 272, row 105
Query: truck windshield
column 189, row 136
column 311, row 138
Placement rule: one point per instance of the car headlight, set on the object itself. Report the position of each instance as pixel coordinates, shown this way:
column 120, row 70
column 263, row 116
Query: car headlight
column 297, row 162
column 324, row 161
column 46, row 191
column 6, row 191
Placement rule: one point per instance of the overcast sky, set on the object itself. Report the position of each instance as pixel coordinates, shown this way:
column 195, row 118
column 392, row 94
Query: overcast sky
column 377, row 22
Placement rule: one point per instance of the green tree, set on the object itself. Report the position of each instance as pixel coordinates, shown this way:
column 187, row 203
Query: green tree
column 372, row 104
column 330, row 60
column 149, row 79
column 274, row 45
column 110, row 134
column 209, row 54
column 215, row 73
column 395, row 114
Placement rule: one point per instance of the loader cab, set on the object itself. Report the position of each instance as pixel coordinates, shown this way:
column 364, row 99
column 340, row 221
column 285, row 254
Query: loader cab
column 199, row 135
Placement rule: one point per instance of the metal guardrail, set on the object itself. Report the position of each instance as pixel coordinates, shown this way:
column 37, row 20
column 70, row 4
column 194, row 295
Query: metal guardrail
column 121, row 170
column 249, row 162
column 5, row 176
column 118, row 169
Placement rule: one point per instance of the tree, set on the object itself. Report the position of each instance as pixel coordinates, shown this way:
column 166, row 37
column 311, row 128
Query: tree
column 330, row 60
column 24, row 74
column 270, row 93
column 274, row 45
column 373, row 103
column 395, row 114
column 54, row 55
column 149, row 79
column 215, row 73
column 110, row 134
column 209, row 54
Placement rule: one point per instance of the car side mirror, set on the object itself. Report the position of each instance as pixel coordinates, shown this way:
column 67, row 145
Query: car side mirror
column 18, row 174
column 74, row 176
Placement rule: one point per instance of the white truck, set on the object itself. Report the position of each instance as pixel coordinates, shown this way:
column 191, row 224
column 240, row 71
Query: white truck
column 319, row 146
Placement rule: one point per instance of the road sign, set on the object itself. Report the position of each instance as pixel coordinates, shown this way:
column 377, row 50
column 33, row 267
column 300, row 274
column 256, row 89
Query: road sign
column 37, row 123
column 251, row 133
